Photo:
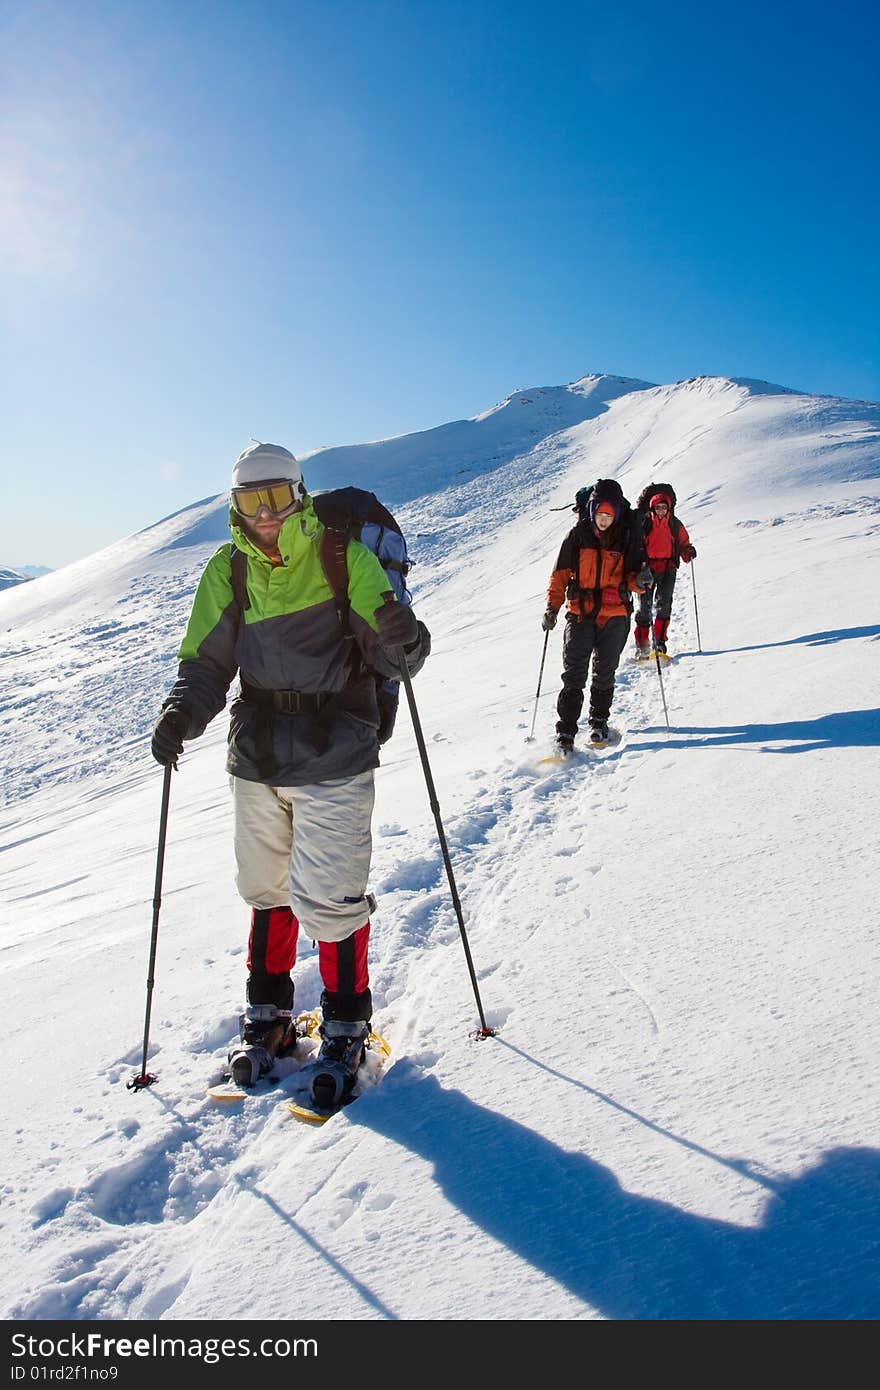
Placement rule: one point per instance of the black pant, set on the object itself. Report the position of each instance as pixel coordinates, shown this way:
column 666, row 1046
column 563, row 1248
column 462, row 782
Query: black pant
column 582, row 642
column 658, row 597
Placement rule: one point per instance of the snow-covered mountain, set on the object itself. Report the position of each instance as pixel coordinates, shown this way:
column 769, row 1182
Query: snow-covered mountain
column 676, row 940
column 10, row 577
column 18, row 574
column 407, row 466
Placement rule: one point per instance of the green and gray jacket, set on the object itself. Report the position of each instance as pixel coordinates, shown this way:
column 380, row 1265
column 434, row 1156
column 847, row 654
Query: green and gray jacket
column 289, row 648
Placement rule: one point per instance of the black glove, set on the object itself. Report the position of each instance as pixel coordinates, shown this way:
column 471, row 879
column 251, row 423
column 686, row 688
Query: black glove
column 688, row 553
column 397, row 625
column 548, row 622
column 645, row 577
column 169, row 731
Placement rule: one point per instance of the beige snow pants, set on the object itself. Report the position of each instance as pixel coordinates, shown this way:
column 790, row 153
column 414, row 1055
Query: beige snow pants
column 308, row 848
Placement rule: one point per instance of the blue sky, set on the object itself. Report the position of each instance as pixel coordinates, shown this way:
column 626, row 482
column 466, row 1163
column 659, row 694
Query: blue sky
column 324, row 223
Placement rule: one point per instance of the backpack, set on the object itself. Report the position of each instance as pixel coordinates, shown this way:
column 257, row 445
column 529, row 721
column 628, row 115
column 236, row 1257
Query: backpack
column 643, row 507
column 643, row 504
column 603, row 490
column 352, row 513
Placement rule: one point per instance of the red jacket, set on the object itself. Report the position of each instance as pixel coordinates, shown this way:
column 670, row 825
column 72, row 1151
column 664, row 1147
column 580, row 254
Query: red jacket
column 663, row 543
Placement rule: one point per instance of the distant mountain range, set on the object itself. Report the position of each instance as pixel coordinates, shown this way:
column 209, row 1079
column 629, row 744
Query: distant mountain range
column 19, row 574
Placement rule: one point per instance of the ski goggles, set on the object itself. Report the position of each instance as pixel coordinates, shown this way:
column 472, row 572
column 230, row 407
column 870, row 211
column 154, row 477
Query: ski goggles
column 277, row 497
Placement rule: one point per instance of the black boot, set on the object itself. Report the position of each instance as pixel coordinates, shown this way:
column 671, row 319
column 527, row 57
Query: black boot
column 569, row 704
column 336, row 1066
column 600, row 708
column 344, row 1035
column 265, row 1027
column 347, row 1006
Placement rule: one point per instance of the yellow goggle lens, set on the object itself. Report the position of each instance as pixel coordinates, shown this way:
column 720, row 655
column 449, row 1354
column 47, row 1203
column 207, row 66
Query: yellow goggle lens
column 275, row 497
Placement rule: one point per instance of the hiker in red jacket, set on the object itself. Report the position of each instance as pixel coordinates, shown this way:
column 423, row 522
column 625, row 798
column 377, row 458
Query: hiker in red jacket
column 666, row 542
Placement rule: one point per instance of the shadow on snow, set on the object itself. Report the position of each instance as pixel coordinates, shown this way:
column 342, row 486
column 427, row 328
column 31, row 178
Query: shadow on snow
column 814, row 1254
column 858, row 728
column 810, row 639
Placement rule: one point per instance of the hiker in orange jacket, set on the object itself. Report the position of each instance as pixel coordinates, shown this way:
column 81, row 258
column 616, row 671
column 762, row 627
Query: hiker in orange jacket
column 600, row 563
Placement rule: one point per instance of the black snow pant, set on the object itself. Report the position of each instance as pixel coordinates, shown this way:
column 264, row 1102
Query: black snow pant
column 658, row 597
column 583, row 640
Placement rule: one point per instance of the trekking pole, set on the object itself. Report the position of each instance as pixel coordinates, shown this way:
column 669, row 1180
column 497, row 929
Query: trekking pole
column 531, row 737
column 660, row 678
column 139, row 1083
column 485, row 1031
column 696, row 614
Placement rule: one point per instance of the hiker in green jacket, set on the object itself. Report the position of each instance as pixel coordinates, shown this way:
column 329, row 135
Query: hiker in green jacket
column 302, row 751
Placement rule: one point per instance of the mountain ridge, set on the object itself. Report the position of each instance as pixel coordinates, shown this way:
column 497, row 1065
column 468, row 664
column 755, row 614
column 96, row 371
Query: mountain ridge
column 403, row 467
column 773, row 455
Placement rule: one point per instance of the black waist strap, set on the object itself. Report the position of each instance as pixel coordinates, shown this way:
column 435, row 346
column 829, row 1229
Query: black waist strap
column 321, row 705
column 286, row 701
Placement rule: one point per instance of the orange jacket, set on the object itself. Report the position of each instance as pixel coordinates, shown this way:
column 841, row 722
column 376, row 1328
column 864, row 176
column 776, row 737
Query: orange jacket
column 591, row 575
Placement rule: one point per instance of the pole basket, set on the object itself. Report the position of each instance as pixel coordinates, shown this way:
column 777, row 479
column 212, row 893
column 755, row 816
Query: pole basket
column 140, row 1083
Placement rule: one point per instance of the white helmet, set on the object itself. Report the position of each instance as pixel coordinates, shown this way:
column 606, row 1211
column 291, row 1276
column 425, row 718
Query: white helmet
column 260, row 465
